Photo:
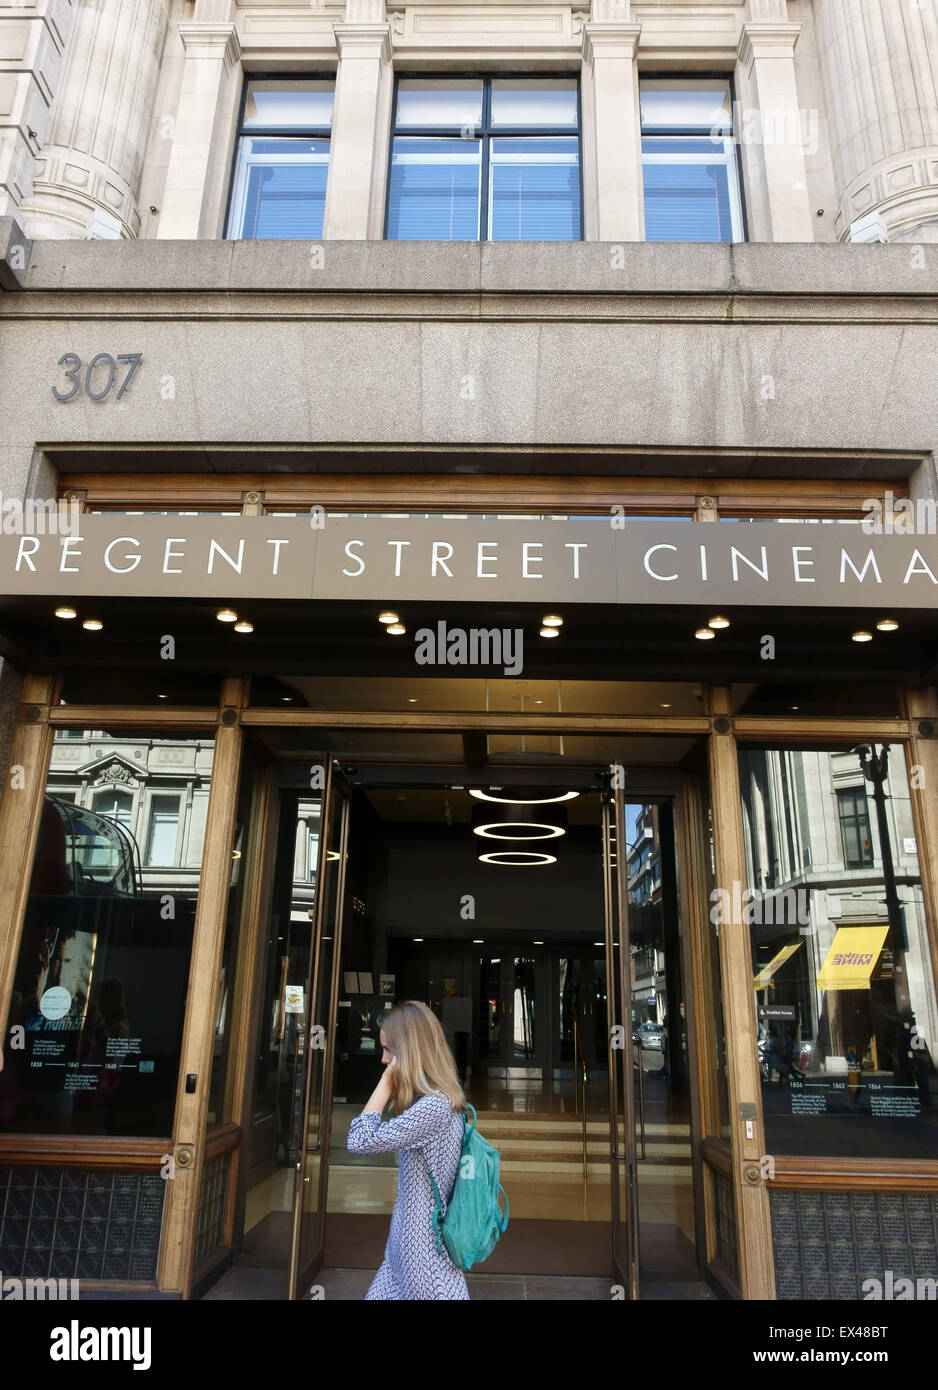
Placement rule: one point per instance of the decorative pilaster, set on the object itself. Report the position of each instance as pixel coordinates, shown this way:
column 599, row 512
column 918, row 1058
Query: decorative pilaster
column 879, row 63
column 612, row 153
column 87, row 174
column 361, row 126
column 774, row 130
column 207, row 104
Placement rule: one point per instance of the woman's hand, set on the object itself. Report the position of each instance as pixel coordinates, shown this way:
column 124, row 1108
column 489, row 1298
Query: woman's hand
column 382, row 1092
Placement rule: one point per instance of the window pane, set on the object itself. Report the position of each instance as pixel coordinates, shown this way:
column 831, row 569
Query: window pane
column 535, row 190
column 544, row 102
column 280, row 189
column 434, row 193
column 439, row 103
column 161, row 838
column 843, row 989
column 683, row 106
column 689, row 195
column 102, row 971
column 291, row 105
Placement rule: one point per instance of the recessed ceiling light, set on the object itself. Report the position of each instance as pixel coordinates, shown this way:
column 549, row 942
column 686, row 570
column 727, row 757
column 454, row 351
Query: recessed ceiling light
column 796, row 707
column 66, row 613
column 599, row 943
column 388, row 618
column 287, row 699
column 704, row 634
column 162, row 697
column 719, row 622
column 478, row 941
column 862, row 637
column 666, row 705
column 538, row 702
column 226, row 615
column 412, row 700
column 417, row 938
column 521, row 800
column 92, row 625
column 396, row 629
column 537, row 943
column 887, row 625
column 244, row 627
column 552, row 620
column 550, row 632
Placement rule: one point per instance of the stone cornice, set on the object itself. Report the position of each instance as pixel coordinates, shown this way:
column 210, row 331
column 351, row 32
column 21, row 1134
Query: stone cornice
column 363, row 41
column 211, row 41
column 767, row 41
column 613, row 40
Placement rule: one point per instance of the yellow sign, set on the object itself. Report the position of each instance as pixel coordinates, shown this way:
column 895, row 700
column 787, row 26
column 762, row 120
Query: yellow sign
column 764, row 977
column 852, row 957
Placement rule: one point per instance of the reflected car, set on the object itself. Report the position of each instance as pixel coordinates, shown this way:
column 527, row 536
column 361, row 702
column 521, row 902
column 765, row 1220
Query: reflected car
column 651, row 1036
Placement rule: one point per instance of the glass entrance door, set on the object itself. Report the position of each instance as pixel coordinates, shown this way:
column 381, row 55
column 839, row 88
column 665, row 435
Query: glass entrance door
column 512, row 1028
column 321, row 1008
column 579, row 1007
column 623, row 1157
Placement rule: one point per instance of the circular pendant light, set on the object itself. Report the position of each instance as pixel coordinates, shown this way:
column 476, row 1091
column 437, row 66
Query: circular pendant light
column 518, row 858
column 521, row 798
column 518, row 823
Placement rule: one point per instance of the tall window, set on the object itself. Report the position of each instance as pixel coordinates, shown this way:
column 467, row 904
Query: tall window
column 689, row 161
column 162, row 831
column 279, row 185
column 855, row 828
column 490, row 159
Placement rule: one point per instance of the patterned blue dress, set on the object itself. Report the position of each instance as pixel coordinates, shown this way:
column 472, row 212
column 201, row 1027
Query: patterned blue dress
column 428, row 1132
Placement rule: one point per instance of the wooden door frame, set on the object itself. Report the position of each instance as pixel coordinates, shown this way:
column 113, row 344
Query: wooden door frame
column 20, row 812
column 334, row 793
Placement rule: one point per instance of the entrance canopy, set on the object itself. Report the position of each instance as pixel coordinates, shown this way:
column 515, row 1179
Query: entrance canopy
column 597, row 560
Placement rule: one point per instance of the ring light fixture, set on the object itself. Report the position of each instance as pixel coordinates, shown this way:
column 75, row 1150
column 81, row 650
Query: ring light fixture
column 544, row 832
column 518, row 858
column 521, row 800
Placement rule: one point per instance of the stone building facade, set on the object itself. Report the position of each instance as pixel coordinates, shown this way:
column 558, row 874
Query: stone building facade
column 493, row 265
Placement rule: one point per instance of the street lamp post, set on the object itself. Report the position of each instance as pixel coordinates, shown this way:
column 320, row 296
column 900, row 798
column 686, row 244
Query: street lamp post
column 874, row 767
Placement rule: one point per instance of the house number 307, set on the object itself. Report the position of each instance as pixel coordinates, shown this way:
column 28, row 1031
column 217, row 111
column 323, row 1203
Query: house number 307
column 98, row 378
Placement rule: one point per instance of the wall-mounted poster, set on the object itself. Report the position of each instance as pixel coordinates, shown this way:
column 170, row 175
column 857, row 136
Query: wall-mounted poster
column 351, row 981
column 294, row 999
column 386, row 985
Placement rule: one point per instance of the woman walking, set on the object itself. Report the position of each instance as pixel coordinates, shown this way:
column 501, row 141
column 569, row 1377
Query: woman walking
column 420, row 1079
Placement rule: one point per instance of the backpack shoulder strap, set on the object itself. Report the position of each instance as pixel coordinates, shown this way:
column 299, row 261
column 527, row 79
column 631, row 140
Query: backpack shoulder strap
column 436, row 1219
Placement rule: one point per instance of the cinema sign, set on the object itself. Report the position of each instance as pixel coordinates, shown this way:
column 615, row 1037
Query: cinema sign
column 476, row 559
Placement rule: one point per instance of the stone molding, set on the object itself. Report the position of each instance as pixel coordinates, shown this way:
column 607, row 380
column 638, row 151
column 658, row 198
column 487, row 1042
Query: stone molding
column 117, row 774
column 363, row 41
column 903, row 190
column 611, row 40
column 758, row 41
column 211, row 41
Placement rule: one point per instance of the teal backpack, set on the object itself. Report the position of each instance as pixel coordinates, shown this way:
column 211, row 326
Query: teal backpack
column 473, row 1223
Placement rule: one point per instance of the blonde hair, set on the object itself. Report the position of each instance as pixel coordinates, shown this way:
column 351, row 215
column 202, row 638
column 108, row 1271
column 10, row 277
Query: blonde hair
column 424, row 1063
